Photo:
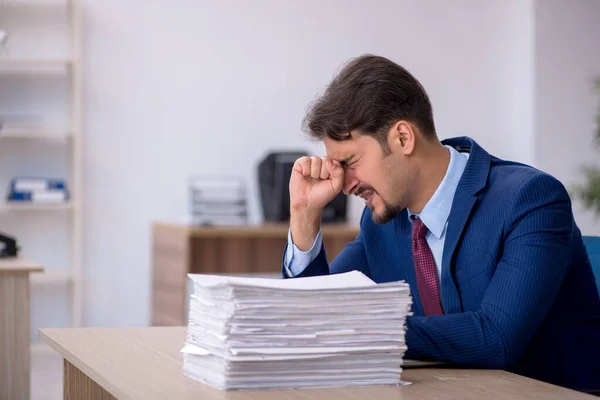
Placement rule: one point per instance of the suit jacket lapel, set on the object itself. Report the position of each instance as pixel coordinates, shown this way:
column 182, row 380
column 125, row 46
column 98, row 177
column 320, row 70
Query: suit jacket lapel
column 473, row 180
column 461, row 210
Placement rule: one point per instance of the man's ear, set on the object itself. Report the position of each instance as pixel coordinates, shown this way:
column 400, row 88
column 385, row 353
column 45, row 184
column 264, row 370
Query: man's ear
column 401, row 137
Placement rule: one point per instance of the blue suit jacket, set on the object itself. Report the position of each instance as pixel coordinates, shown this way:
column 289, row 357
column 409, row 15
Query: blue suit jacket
column 517, row 286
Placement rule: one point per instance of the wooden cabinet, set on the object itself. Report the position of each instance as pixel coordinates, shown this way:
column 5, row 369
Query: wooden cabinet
column 14, row 327
column 181, row 249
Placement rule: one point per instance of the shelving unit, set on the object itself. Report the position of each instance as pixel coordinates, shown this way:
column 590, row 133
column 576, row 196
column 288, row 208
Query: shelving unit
column 24, row 206
column 25, row 65
column 34, row 134
column 44, row 55
column 24, row 62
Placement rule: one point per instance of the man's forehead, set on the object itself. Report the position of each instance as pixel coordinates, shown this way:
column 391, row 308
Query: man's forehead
column 340, row 150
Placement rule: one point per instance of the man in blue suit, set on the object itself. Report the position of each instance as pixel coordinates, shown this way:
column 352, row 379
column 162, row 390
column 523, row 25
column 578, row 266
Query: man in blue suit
column 499, row 275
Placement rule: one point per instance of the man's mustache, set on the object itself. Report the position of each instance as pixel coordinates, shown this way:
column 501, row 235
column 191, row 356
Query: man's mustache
column 363, row 189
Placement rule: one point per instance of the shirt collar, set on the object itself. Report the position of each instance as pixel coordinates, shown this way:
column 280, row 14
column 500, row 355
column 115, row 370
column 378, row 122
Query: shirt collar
column 436, row 212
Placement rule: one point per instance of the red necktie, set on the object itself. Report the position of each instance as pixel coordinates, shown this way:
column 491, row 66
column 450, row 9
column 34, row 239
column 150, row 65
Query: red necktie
column 425, row 270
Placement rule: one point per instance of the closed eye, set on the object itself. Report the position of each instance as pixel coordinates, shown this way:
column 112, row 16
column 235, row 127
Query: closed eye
column 352, row 164
column 349, row 162
column 346, row 164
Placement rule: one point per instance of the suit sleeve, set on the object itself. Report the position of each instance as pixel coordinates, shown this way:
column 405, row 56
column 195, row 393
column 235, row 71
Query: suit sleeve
column 536, row 258
column 352, row 257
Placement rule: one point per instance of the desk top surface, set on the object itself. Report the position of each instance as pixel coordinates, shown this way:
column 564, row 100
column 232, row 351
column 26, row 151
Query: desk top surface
column 146, row 363
column 17, row 264
column 264, row 230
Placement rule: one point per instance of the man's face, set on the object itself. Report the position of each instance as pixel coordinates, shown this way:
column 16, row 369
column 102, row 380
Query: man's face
column 381, row 178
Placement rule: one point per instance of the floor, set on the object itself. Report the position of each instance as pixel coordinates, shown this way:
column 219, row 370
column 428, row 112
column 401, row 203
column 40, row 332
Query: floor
column 46, row 375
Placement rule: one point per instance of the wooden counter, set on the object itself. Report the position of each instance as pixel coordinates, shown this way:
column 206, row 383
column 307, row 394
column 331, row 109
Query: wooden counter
column 179, row 249
column 14, row 326
column 146, row 363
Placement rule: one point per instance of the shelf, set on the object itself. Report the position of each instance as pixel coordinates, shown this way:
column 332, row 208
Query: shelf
column 35, row 62
column 57, row 276
column 34, row 65
column 25, row 206
column 34, row 134
column 34, row 3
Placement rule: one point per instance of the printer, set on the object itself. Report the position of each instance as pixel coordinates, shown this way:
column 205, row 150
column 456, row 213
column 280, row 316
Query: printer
column 274, row 171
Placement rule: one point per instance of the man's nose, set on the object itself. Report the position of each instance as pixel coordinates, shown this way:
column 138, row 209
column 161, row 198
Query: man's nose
column 350, row 183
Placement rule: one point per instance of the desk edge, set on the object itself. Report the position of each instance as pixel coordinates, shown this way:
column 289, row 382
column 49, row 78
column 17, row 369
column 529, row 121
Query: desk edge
column 70, row 357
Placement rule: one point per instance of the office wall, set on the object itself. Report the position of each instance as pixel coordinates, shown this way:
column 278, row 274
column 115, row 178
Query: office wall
column 567, row 58
column 207, row 87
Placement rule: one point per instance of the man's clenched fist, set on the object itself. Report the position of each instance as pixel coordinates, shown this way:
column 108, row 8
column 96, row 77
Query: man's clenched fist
column 315, row 181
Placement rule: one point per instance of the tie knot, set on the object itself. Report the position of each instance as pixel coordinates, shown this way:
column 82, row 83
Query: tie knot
column 419, row 230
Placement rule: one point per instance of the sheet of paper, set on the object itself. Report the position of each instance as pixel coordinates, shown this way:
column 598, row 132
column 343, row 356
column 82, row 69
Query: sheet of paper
column 339, row 281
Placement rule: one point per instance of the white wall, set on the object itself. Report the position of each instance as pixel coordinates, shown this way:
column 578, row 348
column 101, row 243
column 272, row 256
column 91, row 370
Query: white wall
column 207, row 87
column 567, row 58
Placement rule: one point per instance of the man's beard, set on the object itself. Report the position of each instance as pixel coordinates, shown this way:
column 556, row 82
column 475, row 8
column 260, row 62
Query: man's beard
column 389, row 210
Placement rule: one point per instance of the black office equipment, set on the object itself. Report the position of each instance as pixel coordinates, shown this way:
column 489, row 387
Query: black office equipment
column 8, row 246
column 274, row 172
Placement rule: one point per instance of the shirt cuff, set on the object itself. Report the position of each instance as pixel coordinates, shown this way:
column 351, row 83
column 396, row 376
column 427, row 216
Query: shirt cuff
column 296, row 260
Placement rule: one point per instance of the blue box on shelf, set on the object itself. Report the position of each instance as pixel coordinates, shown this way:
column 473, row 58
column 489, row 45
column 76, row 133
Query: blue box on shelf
column 38, row 190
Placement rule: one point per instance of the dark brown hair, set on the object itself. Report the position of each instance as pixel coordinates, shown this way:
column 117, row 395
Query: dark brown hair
column 369, row 95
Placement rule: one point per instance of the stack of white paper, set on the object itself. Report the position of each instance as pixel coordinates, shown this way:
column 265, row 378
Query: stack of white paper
column 328, row 331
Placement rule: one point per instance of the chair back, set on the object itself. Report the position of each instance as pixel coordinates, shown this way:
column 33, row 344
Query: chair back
column 592, row 244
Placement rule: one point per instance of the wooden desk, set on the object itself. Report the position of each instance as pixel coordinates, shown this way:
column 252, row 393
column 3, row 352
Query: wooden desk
column 146, row 363
column 181, row 249
column 14, row 327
